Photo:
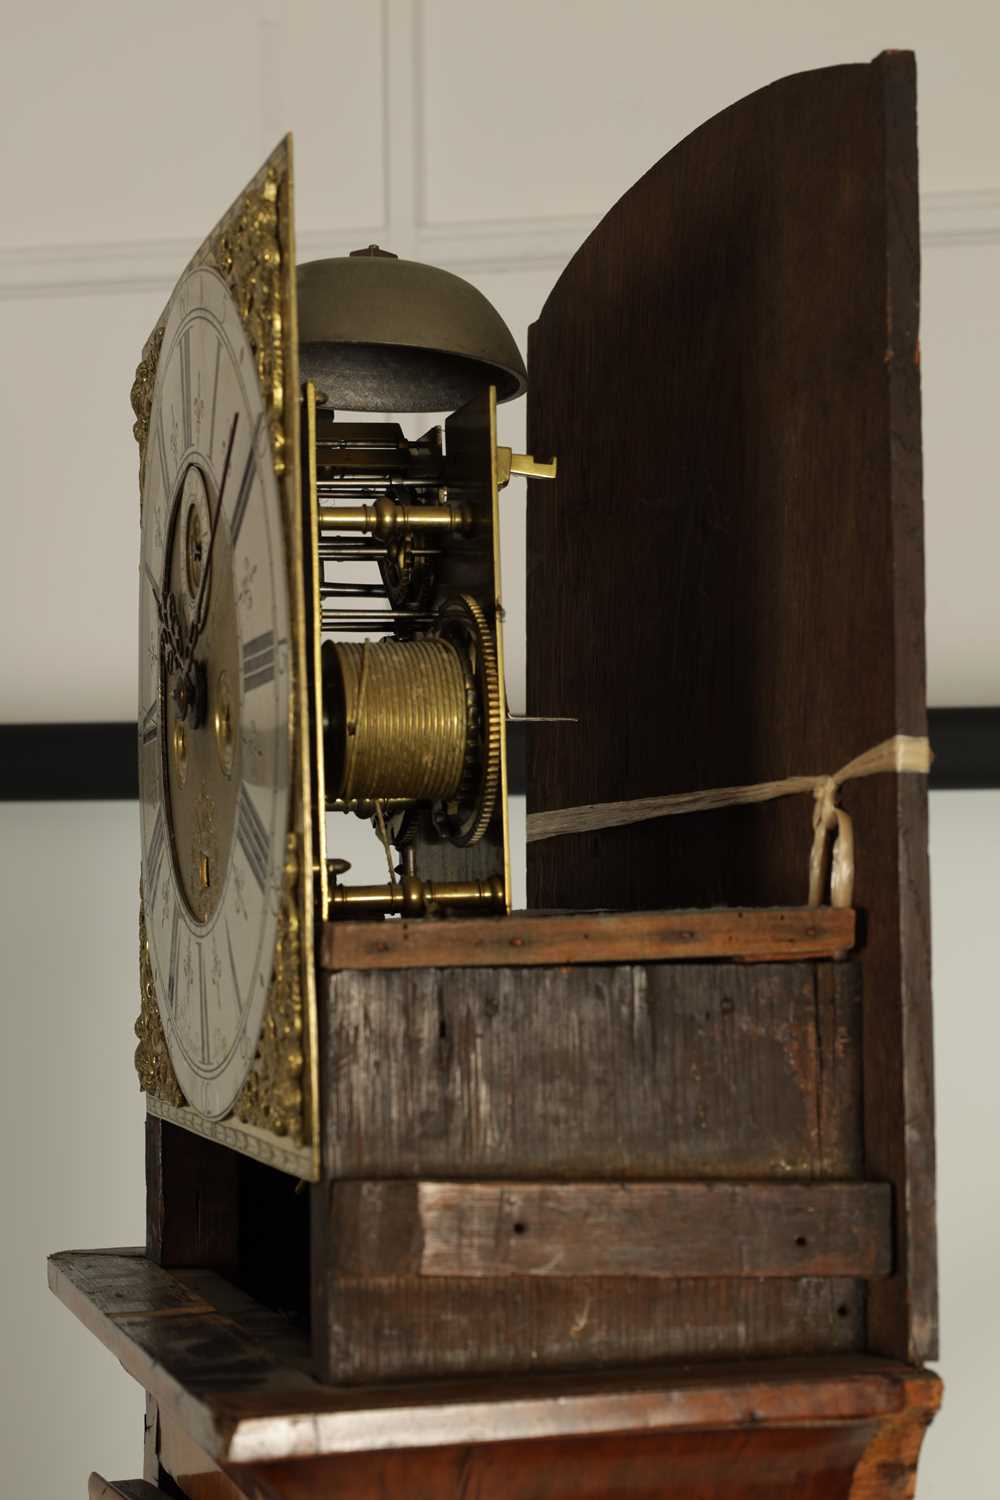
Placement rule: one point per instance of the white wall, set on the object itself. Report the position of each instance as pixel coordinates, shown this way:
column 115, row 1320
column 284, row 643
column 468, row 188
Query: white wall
column 488, row 139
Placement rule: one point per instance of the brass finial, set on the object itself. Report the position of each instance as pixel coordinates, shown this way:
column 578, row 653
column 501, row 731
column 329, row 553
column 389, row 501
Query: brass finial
column 373, row 250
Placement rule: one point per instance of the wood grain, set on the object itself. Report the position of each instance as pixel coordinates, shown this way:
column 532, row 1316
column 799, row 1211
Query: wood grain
column 413, row 1327
column 192, row 1187
column 99, row 1488
column 732, row 1452
column 243, row 1404
column 658, row 1229
column 728, row 372
column 752, row 936
column 797, row 1463
column 899, row 1079
column 626, row 1071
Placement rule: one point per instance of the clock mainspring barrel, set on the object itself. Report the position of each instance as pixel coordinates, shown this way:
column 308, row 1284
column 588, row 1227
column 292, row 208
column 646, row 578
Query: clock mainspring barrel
column 400, row 711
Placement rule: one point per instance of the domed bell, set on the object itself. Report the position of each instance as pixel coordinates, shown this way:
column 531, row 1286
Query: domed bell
column 379, row 334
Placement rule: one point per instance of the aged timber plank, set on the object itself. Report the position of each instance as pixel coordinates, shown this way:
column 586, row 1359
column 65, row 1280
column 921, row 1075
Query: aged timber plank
column 756, row 607
column 671, row 1070
column 899, row 1078
column 763, row 935
column 411, row 1327
column 872, row 1457
column 241, row 1405
column 99, row 1488
column 192, row 1211
column 660, row 1229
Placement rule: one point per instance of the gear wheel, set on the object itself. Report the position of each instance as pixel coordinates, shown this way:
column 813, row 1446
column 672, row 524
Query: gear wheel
column 461, row 620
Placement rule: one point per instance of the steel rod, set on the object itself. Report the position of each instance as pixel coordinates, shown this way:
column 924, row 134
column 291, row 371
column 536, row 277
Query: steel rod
column 351, row 591
column 388, row 614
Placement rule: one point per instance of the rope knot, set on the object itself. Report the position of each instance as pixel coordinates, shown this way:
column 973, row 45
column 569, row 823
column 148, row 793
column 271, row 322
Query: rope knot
column 829, row 818
column 903, row 754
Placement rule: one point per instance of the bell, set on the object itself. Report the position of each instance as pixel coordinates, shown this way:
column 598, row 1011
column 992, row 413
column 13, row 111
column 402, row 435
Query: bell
column 380, row 334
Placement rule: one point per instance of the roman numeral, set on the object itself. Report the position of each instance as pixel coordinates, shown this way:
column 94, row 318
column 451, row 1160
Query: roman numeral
column 154, row 857
column 258, row 661
column 203, row 993
column 163, row 459
column 215, row 397
column 253, row 838
column 232, row 965
column 186, row 385
column 242, row 499
column 149, row 729
column 174, row 945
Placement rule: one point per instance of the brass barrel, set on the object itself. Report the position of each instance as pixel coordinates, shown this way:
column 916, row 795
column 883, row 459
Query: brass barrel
column 399, row 719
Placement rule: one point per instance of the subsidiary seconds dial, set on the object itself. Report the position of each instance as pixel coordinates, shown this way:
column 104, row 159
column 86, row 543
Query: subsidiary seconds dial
column 214, row 695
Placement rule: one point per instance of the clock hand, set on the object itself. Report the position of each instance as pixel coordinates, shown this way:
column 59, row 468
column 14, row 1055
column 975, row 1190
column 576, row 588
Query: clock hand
column 170, row 631
column 198, row 623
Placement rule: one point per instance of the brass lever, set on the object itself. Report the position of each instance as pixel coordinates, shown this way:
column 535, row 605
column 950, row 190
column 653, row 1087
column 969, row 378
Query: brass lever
column 509, row 463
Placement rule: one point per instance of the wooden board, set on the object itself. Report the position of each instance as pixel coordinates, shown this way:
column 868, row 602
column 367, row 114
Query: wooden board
column 751, row 936
column 655, row 1229
column 192, row 1203
column 370, row 1329
column 243, row 1403
column 99, row 1488
column 725, row 581
column 626, row 1071
column 867, row 1458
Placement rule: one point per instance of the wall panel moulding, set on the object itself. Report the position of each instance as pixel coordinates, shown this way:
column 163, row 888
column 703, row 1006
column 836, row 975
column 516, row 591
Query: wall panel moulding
column 78, row 268
column 94, row 762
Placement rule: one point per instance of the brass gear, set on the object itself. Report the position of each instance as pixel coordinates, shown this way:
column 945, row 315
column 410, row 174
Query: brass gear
column 461, row 616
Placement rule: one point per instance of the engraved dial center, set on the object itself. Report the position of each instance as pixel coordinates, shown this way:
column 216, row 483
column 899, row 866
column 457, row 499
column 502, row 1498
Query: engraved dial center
column 201, row 739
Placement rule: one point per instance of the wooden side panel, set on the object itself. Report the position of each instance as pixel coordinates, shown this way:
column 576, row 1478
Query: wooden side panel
column 725, row 581
column 626, row 1071
column 215, row 1209
column 192, row 1199
column 380, row 1328
column 655, row 1229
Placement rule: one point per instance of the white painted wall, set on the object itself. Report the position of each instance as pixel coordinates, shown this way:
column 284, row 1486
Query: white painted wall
column 488, row 139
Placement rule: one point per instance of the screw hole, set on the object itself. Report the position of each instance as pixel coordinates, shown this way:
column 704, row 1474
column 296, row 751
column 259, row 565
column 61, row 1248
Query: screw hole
column 800, row 1240
column 520, row 1228
column 842, row 1310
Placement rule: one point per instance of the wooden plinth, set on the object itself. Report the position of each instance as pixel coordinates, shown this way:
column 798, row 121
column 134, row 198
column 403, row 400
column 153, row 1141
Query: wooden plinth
column 234, row 1413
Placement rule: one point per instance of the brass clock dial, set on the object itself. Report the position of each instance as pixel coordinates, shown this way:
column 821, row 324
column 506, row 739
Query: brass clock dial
column 215, row 704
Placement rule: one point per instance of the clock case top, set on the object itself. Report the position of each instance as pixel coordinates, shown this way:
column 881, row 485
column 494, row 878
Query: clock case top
column 725, row 585
column 725, row 582
column 276, row 1115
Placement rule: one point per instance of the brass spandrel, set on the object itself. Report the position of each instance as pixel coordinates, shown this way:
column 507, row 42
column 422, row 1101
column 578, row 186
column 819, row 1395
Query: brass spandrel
column 152, row 1060
column 273, row 1096
column 142, row 394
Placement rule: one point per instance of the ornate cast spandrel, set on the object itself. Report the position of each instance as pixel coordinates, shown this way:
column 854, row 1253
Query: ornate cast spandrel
column 152, row 1060
column 272, row 1097
column 142, row 394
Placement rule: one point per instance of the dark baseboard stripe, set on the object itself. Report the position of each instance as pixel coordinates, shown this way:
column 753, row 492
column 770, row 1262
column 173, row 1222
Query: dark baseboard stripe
column 97, row 762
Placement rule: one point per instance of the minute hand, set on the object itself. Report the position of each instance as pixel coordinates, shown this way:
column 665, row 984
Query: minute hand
column 198, row 623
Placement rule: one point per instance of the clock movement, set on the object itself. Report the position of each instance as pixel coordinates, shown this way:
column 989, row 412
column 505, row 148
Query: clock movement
column 320, row 632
